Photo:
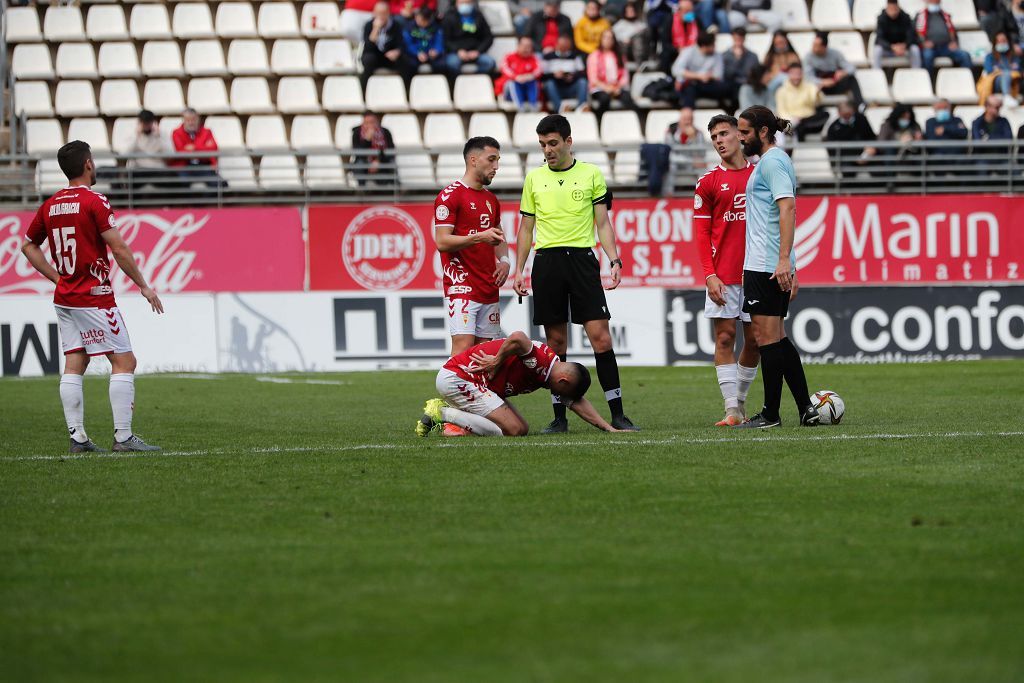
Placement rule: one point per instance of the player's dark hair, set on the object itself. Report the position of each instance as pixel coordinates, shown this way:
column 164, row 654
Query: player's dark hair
column 480, row 142
column 72, row 157
column 554, row 123
column 705, row 39
column 760, row 117
column 582, row 382
column 722, row 118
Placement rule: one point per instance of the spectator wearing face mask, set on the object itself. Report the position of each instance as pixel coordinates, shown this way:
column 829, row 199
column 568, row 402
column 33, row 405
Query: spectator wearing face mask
column 901, row 126
column 467, row 38
column 685, row 30
column 1001, row 73
column 938, row 37
column 945, row 126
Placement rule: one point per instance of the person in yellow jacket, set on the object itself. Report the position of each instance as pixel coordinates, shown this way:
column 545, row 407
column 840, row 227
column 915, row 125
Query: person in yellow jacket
column 590, row 27
column 798, row 101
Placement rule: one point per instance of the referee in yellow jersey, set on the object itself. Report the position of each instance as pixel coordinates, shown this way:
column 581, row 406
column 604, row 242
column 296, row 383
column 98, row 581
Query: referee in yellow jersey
column 564, row 200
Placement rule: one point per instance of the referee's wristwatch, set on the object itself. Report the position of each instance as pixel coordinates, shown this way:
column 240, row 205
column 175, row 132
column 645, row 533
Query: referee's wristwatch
column 616, row 262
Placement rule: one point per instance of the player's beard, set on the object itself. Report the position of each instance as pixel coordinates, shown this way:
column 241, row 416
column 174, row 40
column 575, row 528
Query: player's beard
column 485, row 179
column 753, row 148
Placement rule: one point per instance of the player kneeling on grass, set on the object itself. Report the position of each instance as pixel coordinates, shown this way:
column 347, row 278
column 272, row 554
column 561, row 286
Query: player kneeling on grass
column 475, row 384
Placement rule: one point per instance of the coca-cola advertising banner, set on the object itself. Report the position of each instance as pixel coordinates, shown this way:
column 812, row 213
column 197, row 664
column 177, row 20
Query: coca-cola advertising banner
column 197, row 250
column 839, row 241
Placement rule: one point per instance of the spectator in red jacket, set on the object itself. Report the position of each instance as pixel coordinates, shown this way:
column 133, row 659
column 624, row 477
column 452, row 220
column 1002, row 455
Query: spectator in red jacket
column 190, row 136
column 684, row 34
column 520, row 76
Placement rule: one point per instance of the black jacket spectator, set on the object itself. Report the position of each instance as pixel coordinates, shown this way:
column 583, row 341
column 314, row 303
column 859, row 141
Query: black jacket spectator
column 371, row 142
column 995, row 18
column 537, row 27
column 898, row 30
column 377, row 53
column 457, row 38
column 952, row 128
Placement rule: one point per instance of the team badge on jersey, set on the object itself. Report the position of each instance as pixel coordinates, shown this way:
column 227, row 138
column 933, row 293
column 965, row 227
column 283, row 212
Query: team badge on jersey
column 441, row 212
column 697, row 201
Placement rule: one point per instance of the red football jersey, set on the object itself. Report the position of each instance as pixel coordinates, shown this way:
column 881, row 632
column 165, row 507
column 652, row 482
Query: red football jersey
column 720, row 222
column 74, row 220
column 469, row 272
column 517, row 375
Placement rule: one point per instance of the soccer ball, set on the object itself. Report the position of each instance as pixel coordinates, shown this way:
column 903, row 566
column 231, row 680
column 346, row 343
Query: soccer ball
column 830, row 407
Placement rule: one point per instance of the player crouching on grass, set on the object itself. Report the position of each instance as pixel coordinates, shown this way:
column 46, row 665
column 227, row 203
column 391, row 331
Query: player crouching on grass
column 475, row 384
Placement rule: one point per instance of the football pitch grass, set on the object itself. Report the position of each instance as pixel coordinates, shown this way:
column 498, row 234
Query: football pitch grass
column 295, row 529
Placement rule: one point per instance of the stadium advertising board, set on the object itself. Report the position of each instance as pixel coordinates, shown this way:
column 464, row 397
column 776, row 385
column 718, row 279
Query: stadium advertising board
column 199, row 250
column 873, row 324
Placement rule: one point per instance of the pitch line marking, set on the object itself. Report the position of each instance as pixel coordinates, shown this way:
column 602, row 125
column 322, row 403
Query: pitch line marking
column 510, row 443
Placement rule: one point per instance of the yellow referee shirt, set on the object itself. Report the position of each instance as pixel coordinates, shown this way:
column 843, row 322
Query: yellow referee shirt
column 563, row 204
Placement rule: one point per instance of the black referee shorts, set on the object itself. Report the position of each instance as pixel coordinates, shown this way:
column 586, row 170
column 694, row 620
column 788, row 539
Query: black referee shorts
column 763, row 296
column 567, row 279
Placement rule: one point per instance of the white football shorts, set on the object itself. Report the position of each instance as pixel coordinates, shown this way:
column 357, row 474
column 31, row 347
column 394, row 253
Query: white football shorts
column 469, row 317
column 465, row 395
column 97, row 331
column 733, row 307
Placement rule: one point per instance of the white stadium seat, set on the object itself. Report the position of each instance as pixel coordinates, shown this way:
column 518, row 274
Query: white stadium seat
column 621, row 127
column 161, row 58
column 976, row 44
column 701, row 119
column 119, row 97
column 812, row 164
column 584, row 128
column 149, row 22
column 237, row 171
column 325, row 171
column 963, row 14
column 573, row 9
column 405, row 130
column 498, row 17
column 802, row 42
column 430, row 93
column 912, row 7
column 443, row 131
column 291, row 57
column 793, row 13
column 913, row 86
column 956, row 85
column 501, row 46
column 311, row 132
column 205, row 58
column 876, row 116
column 76, row 60
column 248, row 58
column 193, row 20
column 75, row 98
column 163, row 96
column 278, row 20
column 873, row 86
column 124, row 133
column 343, row 130
column 106, row 22
column 297, row 95
column 599, row 158
column 23, row 25
column 851, row 45
column 626, row 167
column 319, row 19
column 415, row 170
column 251, row 95
column 342, row 94
column 32, row 61
column 656, row 125
column 524, row 129
column 759, row 43
column 43, row 136
column 93, row 131
column 510, row 172
column 491, row 124
column 32, row 98
column 49, row 177
column 474, row 92
column 227, row 131
column 829, row 15
column 208, row 96
column 386, row 94
column 865, row 14
column 280, row 172
column 450, row 166
column 63, row 23
column 968, row 113
column 119, row 60
column 236, row 20
column 266, row 132
column 333, row 56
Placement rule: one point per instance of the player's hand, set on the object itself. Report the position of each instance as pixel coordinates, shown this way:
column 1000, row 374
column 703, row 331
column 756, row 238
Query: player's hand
column 616, row 277
column 492, row 236
column 484, row 363
column 783, row 275
column 153, row 300
column 519, row 285
column 501, row 273
column 716, row 290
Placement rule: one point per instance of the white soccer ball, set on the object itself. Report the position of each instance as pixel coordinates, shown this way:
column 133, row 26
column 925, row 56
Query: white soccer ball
column 830, row 407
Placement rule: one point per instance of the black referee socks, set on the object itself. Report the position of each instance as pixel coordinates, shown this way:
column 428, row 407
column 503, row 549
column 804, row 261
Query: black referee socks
column 557, row 405
column 795, row 377
column 772, row 368
column 608, row 375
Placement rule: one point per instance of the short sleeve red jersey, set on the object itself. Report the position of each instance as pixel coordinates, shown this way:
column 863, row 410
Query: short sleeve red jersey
column 74, row 220
column 517, row 375
column 468, row 273
column 720, row 222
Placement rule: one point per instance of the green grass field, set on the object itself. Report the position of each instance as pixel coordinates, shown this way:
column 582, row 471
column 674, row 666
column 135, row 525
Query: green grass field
column 298, row 531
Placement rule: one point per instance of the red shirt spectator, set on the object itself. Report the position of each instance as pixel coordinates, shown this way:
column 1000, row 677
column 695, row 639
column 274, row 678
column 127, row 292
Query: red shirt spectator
column 517, row 64
column 191, row 137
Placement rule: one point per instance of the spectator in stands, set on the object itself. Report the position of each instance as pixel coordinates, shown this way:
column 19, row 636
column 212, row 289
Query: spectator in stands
column 830, row 69
column 590, row 27
column 545, row 26
column 992, row 126
column 659, row 21
column 713, row 15
column 937, row 34
column 520, row 77
column 190, row 136
column 632, row 33
column 685, row 30
column 698, row 72
column 1001, row 73
column 405, row 11
column 895, row 36
column 467, row 38
column 755, row 90
column 799, row 101
column 688, row 143
column 353, row 19
column 1017, row 12
column 850, row 126
column 901, row 126
column 383, row 45
column 150, row 168
column 522, row 11
column 945, row 126
column 371, row 142
column 743, row 12
column 607, row 75
column 995, row 17
column 565, row 75
column 424, row 42
column 780, row 55
column 738, row 62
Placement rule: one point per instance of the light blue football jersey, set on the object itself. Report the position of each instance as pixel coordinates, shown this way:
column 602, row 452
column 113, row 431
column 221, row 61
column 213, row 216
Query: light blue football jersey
column 773, row 178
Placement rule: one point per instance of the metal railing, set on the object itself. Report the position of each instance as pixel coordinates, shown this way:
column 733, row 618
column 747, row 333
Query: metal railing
column 327, row 175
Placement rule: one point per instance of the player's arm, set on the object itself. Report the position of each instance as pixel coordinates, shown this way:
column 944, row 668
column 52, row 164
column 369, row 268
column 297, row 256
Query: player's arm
column 126, row 260
column 702, row 208
column 524, row 242
column 787, row 229
column 586, row 410
column 606, row 234
column 36, row 257
column 447, row 242
column 517, row 344
column 504, row 264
